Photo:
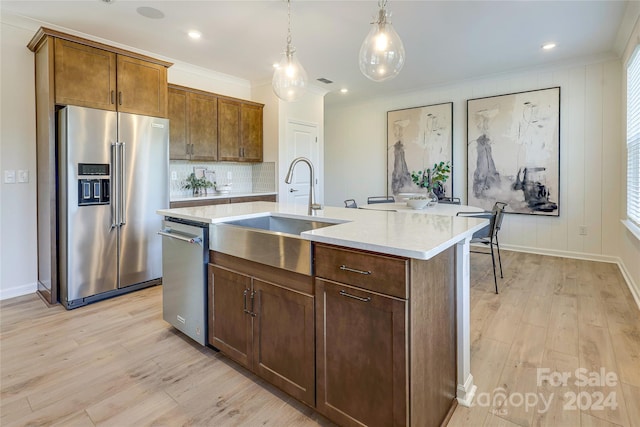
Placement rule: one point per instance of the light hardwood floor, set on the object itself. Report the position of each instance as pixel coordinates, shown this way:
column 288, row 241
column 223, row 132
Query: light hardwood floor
column 117, row 363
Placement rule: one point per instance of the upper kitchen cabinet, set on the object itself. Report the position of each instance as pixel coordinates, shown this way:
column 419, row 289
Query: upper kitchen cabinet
column 179, row 148
column 240, row 130
column 251, row 132
column 210, row 127
column 194, row 124
column 90, row 74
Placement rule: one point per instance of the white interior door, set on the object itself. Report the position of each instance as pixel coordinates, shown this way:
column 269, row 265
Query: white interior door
column 302, row 141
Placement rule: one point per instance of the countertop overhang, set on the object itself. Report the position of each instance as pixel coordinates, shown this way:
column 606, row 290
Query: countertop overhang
column 418, row 235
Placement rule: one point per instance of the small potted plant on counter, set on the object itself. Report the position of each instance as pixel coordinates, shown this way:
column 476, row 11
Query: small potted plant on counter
column 198, row 186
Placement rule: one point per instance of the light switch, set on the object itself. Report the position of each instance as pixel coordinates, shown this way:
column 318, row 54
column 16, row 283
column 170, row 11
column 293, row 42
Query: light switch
column 23, row 175
column 9, row 177
column 229, row 175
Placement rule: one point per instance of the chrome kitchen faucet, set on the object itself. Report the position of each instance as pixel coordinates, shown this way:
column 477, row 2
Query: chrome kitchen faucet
column 313, row 206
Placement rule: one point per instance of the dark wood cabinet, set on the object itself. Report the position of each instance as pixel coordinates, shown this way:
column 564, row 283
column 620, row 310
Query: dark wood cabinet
column 362, row 363
column 283, row 339
column 229, row 126
column 91, row 77
column 194, row 124
column 212, row 127
column 230, row 331
column 84, row 75
column 240, row 131
column 142, row 87
column 203, row 127
column 385, row 337
column 265, row 322
column 178, row 113
column 251, row 132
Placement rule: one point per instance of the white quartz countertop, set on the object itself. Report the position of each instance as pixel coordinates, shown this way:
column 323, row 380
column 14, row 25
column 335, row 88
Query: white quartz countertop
column 412, row 234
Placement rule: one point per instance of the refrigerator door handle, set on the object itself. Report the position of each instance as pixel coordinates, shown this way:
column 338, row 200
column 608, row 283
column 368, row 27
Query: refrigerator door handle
column 114, row 184
column 123, row 184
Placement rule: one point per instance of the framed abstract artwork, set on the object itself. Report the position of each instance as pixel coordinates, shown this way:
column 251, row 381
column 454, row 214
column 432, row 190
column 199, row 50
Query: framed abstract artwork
column 417, row 138
column 513, row 151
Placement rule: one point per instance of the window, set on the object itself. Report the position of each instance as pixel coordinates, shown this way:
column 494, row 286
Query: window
column 633, row 138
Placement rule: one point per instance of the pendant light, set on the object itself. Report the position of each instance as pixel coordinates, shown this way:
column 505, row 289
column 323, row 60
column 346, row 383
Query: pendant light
column 289, row 79
column 382, row 53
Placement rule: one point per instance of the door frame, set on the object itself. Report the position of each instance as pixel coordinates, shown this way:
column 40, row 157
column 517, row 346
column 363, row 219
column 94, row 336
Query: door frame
column 286, row 157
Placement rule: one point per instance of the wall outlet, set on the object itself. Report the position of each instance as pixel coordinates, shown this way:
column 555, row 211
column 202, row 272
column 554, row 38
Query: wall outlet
column 10, row 177
column 174, row 176
column 582, row 230
column 229, row 175
column 23, row 175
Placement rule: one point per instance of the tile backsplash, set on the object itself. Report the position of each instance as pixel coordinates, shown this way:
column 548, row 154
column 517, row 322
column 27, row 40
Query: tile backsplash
column 243, row 177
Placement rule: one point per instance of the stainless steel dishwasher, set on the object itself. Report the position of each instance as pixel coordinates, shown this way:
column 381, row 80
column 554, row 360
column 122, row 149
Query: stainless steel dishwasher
column 185, row 255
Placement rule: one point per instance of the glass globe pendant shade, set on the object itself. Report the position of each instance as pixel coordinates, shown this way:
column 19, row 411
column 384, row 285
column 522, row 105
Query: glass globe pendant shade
column 382, row 53
column 289, row 79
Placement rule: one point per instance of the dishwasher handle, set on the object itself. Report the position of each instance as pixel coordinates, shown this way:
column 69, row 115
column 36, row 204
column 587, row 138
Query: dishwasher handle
column 167, row 233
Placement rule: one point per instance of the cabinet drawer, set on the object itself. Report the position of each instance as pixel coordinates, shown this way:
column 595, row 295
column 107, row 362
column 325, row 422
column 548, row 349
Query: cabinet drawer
column 378, row 273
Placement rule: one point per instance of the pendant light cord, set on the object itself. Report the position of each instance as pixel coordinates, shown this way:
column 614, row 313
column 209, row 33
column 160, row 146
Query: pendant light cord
column 288, row 26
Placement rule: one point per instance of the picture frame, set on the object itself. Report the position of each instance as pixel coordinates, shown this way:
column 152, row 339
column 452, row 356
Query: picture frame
column 513, row 151
column 418, row 138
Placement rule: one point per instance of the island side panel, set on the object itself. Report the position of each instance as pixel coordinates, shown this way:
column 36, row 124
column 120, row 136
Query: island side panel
column 432, row 339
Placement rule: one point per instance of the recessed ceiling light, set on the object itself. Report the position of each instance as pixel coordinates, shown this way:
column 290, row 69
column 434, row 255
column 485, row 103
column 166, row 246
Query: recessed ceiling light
column 195, row 34
column 150, row 12
column 344, row 90
column 548, row 46
column 276, row 65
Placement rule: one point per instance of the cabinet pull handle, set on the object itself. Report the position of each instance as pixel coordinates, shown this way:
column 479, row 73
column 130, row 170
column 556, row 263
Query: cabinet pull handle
column 353, row 270
column 244, row 296
column 113, row 96
column 252, row 313
column 344, row 294
column 120, row 98
column 245, row 309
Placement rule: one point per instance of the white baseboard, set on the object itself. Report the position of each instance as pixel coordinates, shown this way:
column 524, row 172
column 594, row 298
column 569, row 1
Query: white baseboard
column 18, row 291
column 633, row 287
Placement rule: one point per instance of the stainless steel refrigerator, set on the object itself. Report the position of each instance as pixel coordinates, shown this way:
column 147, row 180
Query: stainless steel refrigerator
column 112, row 177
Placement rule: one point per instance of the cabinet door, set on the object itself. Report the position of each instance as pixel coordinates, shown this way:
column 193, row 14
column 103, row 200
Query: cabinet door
column 84, row 76
column 283, row 339
column 142, row 87
column 251, row 120
column 178, row 125
column 229, row 125
column 203, row 127
column 230, row 328
column 361, row 356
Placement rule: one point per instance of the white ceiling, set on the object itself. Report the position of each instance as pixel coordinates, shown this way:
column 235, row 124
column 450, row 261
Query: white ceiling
column 445, row 41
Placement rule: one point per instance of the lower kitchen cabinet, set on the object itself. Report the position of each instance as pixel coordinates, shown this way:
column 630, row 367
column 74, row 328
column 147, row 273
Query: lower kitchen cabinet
column 267, row 327
column 385, row 337
column 231, row 329
column 362, row 363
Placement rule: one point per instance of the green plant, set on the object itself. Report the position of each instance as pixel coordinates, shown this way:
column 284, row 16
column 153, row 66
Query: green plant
column 196, row 184
column 432, row 178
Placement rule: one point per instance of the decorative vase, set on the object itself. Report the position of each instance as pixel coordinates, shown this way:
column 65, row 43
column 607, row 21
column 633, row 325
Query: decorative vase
column 431, row 195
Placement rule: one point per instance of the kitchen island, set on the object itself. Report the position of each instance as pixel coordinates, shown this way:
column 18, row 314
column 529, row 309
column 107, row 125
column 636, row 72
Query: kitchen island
column 383, row 312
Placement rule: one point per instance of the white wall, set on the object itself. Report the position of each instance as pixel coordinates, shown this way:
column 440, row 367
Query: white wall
column 591, row 141
column 18, row 263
